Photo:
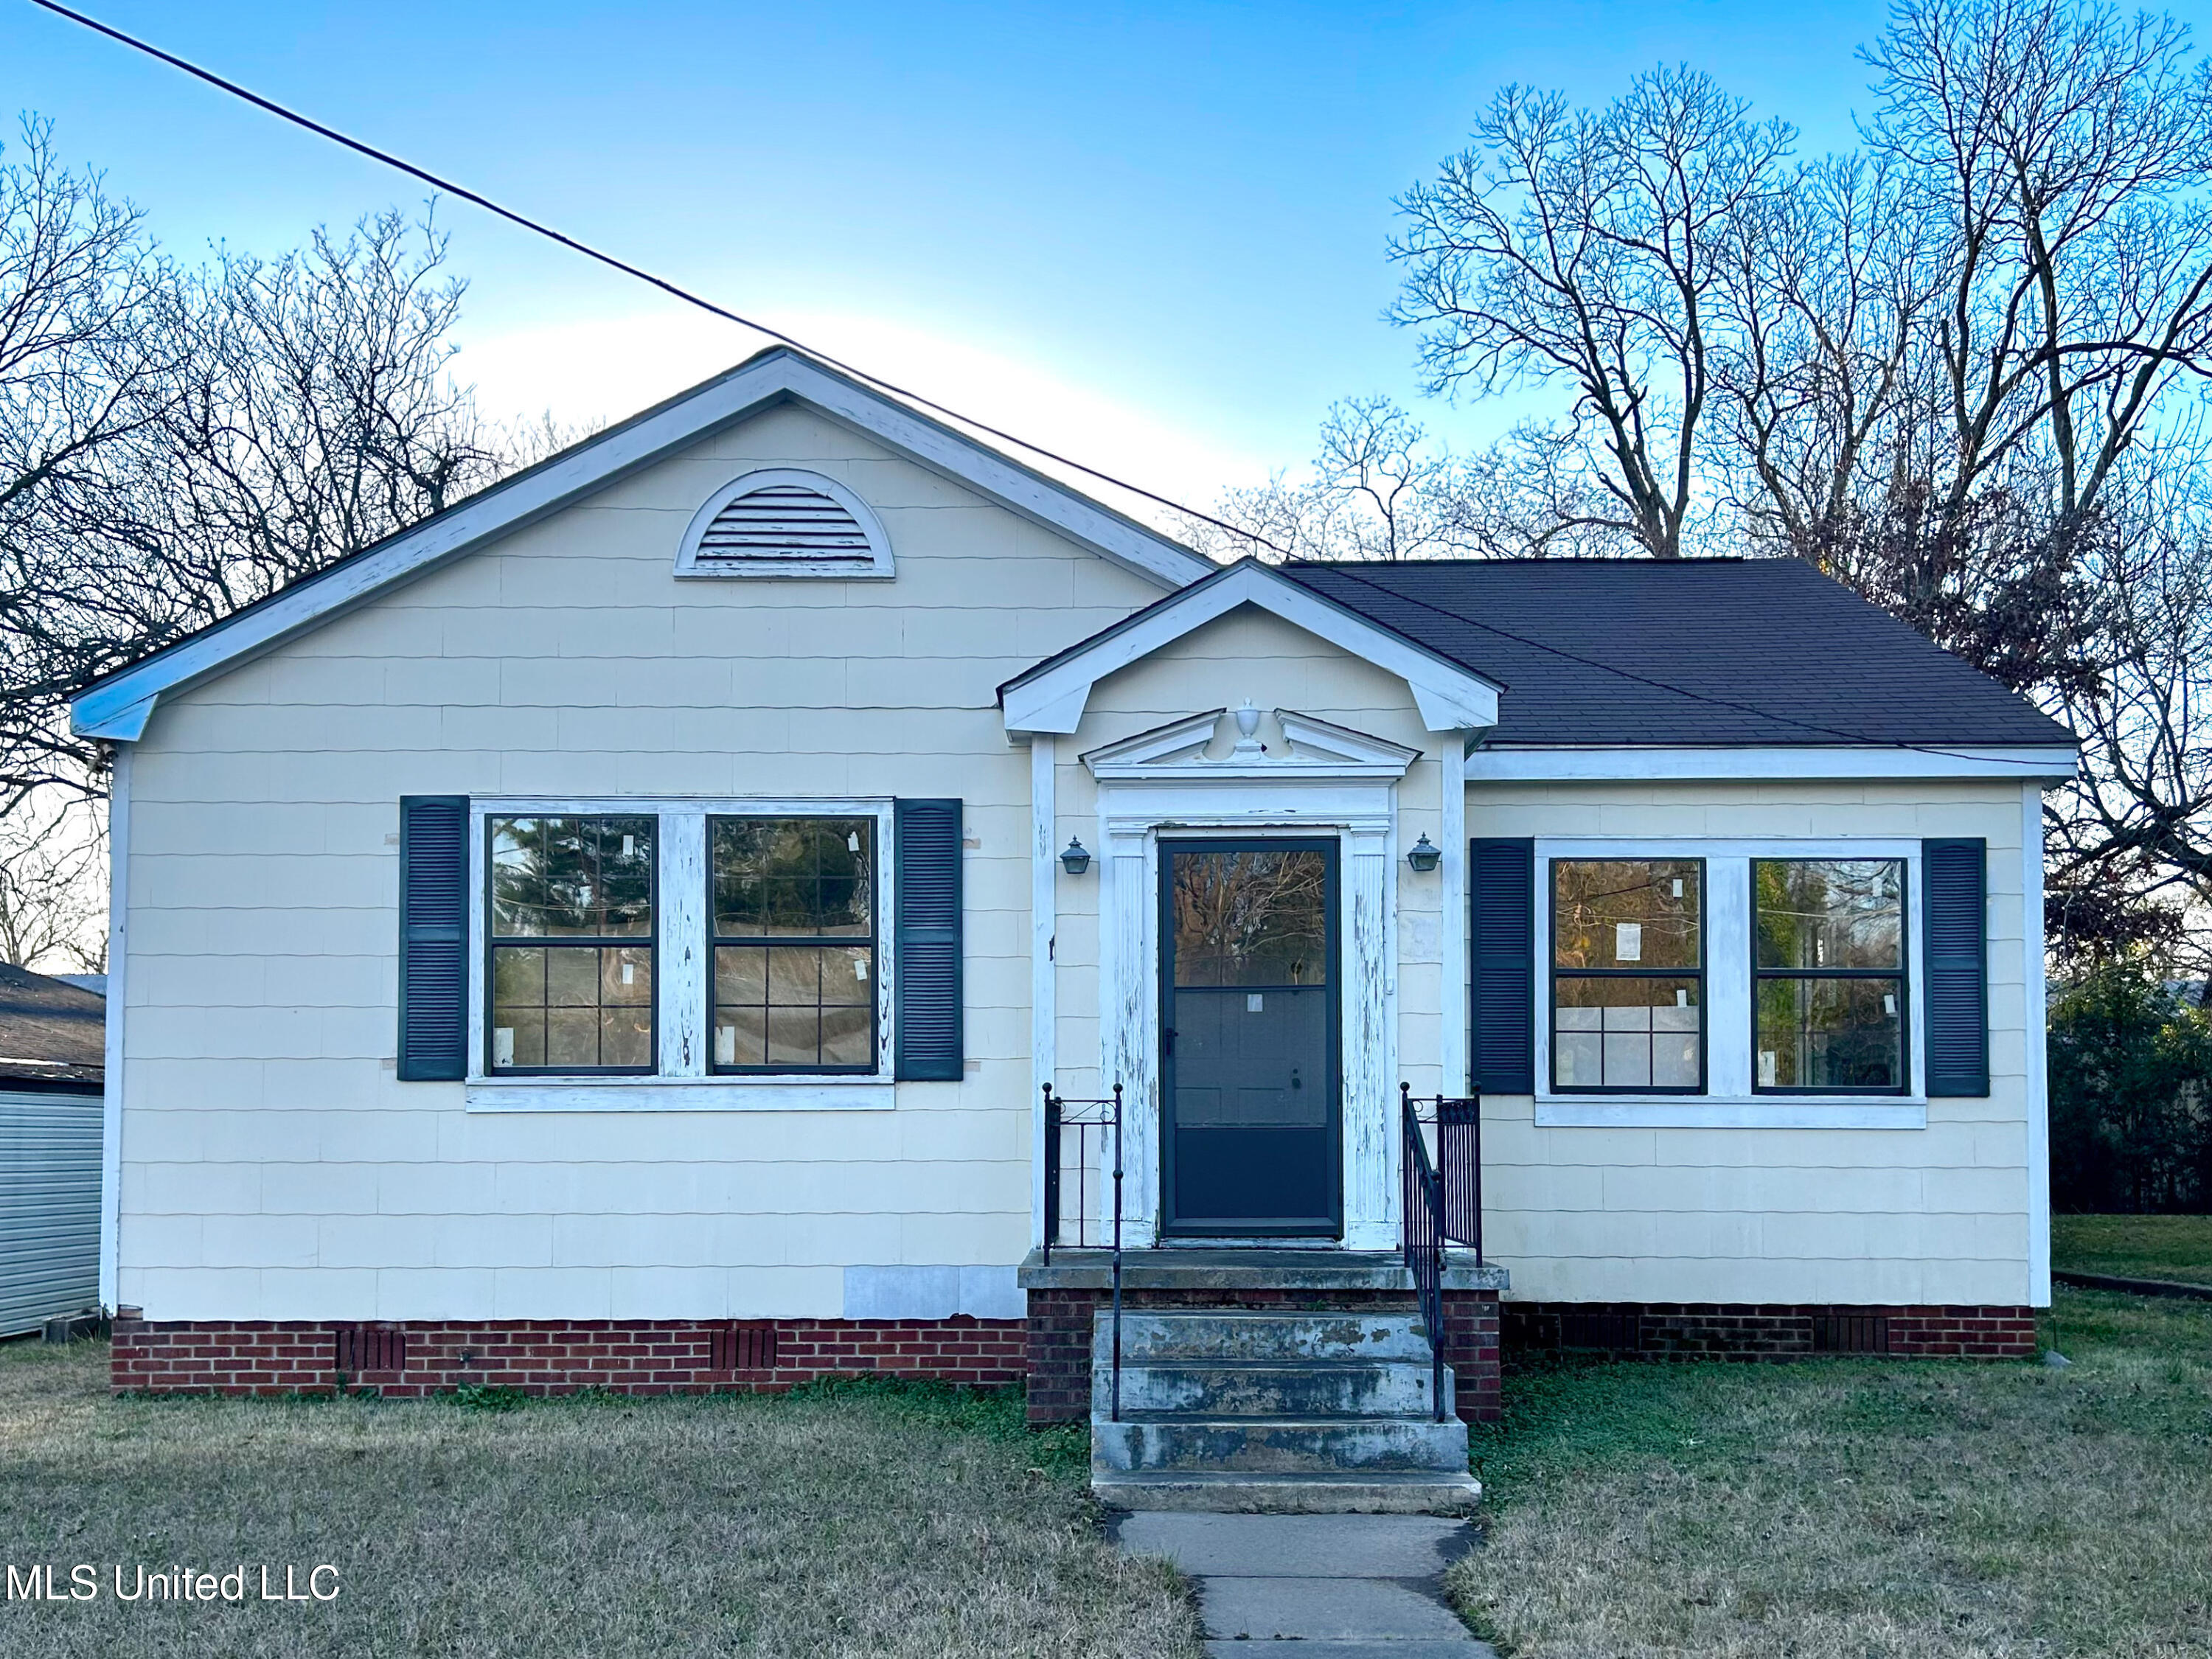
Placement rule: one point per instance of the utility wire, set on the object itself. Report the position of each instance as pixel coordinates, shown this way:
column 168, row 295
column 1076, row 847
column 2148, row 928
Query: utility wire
column 672, row 288
column 1351, row 573
column 628, row 269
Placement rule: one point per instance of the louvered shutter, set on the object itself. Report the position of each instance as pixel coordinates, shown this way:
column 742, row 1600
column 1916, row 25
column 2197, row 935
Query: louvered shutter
column 1956, row 955
column 926, row 939
column 434, row 929
column 1501, row 964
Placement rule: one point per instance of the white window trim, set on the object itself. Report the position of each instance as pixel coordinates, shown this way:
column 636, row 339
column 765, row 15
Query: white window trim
column 1728, row 1101
column 879, row 567
column 682, row 1080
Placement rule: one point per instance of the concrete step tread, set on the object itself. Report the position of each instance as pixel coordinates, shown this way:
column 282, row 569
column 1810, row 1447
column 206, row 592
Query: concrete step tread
column 1424, row 1419
column 1349, row 1447
column 1300, row 1546
column 1199, row 1334
column 1382, row 1494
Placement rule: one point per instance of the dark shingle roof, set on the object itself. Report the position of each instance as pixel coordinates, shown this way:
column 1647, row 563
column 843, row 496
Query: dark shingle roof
column 50, row 1032
column 1698, row 652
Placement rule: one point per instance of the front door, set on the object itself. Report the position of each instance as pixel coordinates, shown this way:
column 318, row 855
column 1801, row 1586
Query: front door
column 1248, row 1016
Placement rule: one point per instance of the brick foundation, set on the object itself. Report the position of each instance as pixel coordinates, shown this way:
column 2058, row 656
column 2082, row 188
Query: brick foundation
column 1060, row 1325
column 539, row 1357
column 1712, row 1330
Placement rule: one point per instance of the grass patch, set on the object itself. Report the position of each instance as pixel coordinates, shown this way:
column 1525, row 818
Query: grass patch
column 847, row 1519
column 1861, row 1508
column 2178, row 1247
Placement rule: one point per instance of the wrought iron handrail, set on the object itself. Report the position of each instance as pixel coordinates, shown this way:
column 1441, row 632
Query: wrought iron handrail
column 1083, row 1116
column 1441, row 1202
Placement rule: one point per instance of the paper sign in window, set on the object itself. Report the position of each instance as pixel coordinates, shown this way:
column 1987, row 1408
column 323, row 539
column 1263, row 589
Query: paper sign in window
column 1628, row 941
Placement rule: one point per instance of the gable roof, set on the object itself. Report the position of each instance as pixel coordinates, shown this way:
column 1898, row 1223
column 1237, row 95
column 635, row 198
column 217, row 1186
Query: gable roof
column 1710, row 652
column 117, row 705
column 50, row 1032
column 1052, row 695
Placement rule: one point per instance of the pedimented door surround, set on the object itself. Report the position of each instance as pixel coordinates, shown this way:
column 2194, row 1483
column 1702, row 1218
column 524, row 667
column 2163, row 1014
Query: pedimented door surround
column 1326, row 780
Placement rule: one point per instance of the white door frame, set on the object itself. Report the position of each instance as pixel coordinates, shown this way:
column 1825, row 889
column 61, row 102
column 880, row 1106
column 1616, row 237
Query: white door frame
column 1331, row 783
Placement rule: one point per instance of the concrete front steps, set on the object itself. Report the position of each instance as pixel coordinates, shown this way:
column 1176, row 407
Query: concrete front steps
column 1287, row 1412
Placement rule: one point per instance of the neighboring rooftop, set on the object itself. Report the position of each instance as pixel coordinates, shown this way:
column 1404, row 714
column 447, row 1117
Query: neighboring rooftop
column 50, row 1031
column 1691, row 652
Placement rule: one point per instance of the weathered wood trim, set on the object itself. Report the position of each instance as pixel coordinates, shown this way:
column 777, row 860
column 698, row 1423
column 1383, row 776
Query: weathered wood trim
column 684, row 966
column 1728, row 1101
column 2034, row 982
column 1706, row 1112
column 118, row 1010
column 1356, row 804
column 1044, row 973
column 664, row 1094
column 1369, row 1000
column 1642, row 763
column 1451, row 1044
column 683, row 969
column 879, row 566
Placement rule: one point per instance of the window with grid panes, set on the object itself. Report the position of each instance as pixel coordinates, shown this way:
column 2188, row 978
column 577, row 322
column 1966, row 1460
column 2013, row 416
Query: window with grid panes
column 571, row 911
column 1828, row 975
column 1627, row 975
column 792, row 904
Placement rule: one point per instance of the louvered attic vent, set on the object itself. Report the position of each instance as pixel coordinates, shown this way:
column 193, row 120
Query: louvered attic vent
column 784, row 523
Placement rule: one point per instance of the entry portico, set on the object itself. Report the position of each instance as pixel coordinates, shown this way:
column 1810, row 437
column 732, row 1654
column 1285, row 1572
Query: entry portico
column 1208, row 792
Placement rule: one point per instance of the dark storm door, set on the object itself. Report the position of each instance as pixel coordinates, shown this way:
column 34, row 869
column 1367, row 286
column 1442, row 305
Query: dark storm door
column 1248, row 1016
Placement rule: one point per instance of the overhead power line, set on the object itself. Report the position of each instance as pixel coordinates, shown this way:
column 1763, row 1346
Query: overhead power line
column 628, row 269
column 687, row 297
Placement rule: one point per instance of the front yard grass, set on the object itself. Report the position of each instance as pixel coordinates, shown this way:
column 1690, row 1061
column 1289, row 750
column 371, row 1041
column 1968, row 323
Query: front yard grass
column 2175, row 1246
column 855, row 1521
column 1861, row 1508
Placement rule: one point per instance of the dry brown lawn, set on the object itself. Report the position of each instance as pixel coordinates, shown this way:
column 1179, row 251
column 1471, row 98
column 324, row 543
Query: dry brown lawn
column 856, row 1523
column 1861, row 1510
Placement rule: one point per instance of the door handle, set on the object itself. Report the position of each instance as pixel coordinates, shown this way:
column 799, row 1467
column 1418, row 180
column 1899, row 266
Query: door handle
column 1295, row 1081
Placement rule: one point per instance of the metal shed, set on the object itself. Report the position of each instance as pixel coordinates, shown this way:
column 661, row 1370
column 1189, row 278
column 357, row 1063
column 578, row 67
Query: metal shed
column 51, row 1049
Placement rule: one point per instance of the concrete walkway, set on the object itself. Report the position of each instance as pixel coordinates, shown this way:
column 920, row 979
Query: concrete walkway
column 1342, row 1586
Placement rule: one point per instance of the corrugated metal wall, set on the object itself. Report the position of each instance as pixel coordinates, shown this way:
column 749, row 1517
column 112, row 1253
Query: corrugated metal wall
column 49, row 1207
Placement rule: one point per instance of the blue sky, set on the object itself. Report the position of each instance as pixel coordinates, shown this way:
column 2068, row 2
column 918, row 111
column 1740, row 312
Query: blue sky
column 1153, row 234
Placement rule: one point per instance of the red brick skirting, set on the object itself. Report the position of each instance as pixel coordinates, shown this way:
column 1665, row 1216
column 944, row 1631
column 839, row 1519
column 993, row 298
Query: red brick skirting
column 628, row 1356
column 1061, row 1322
column 1713, row 1330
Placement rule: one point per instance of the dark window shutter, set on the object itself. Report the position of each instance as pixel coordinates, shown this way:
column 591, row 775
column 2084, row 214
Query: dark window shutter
column 1955, row 952
column 1501, row 964
column 433, row 938
column 928, row 941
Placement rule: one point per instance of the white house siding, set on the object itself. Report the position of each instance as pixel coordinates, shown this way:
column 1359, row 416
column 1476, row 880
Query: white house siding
column 273, row 1166
column 1938, row 1215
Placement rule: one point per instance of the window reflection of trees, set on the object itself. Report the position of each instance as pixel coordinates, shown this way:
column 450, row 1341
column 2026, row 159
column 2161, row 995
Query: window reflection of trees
column 1251, row 917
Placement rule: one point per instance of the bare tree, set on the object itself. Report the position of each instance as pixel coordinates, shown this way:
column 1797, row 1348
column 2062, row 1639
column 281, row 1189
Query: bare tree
column 53, row 912
column 1589, row 248
column 93, row 355
column 1378, row 489
column 176, row 443
column 326, row 418
column 2062, row 148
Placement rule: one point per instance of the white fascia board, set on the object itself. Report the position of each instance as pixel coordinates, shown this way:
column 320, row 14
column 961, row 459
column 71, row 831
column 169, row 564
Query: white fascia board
column 118, row 706
column 1644, row 764
column 1450, row 698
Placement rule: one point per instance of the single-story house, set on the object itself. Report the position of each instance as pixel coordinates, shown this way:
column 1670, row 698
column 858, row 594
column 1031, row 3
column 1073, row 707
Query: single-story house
column 624, row 930
column 51, row 1052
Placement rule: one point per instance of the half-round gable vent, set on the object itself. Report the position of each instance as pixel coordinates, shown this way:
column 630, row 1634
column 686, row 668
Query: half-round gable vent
column 784, row 523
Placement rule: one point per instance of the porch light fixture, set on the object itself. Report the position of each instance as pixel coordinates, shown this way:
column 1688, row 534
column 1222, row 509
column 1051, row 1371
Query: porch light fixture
column 1076, row 859
column 1424, row 856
